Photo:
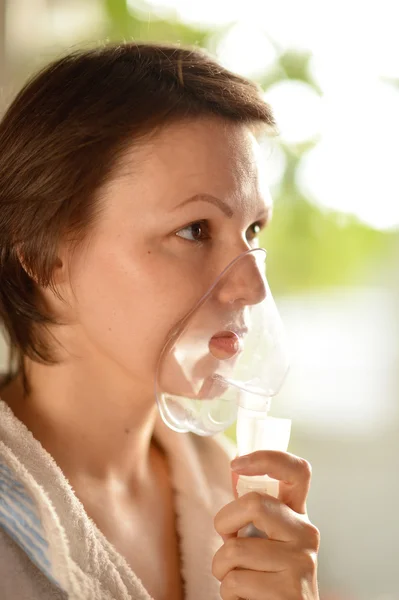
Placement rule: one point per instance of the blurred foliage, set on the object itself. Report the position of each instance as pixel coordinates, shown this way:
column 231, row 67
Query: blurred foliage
column 308, row 246
column 125, row 23
column 290, row 64
column 313, row 247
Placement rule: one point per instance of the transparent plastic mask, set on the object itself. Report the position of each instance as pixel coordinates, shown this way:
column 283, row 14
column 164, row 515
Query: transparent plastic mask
column 228, row 351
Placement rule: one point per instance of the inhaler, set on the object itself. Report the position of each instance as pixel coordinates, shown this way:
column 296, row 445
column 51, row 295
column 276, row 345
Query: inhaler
column 224, row 362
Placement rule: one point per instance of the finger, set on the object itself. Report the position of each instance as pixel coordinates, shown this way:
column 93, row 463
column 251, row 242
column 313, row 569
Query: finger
column 294, row 474
column 251, row 585
column 252, row 553
column 234, row 481
column 268, row 514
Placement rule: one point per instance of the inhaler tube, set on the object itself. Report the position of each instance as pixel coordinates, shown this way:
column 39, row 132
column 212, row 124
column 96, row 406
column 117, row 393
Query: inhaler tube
column 258, row 431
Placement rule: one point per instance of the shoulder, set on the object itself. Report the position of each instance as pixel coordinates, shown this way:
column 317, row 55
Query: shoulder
column 23, row 537
column 20, row 578
column 25, row 569
column 20, row 521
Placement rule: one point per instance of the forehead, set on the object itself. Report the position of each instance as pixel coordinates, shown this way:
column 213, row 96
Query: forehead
column 207, row 155
column 211, row 144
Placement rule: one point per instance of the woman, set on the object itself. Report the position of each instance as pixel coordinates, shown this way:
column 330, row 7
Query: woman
column 129, row 178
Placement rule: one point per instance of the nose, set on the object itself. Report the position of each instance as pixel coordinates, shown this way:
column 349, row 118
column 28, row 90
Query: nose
column 244, row 283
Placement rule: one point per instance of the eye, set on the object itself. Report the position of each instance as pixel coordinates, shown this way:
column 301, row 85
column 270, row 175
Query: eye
column 254, row 230
column 195, row 232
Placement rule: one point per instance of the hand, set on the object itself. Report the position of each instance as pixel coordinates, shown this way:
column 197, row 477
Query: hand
column 283, row 566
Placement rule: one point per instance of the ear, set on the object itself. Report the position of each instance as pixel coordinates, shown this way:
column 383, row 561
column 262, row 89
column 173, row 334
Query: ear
column 59, row 268
column 23, row 264
column 59, row 275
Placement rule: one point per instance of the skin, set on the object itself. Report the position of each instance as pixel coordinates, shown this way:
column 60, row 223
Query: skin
column 143, row 267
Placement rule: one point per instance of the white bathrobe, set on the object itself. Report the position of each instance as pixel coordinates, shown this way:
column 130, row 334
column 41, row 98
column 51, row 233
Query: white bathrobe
column 51, row 549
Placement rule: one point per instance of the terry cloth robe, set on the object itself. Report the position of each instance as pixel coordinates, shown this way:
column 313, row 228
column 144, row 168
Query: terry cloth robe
column 51, row 550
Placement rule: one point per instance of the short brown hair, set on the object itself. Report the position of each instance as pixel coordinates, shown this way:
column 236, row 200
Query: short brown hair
column 60, row 140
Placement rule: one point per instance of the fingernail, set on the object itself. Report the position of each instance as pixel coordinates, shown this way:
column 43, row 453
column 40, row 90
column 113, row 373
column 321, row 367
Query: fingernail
column 240, row 463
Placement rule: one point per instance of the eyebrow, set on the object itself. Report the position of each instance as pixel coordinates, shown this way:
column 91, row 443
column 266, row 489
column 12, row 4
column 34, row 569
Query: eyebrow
column 223, row 206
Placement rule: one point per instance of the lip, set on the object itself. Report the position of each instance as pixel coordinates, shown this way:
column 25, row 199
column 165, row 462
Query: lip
column 226, row 344
column 240, row 331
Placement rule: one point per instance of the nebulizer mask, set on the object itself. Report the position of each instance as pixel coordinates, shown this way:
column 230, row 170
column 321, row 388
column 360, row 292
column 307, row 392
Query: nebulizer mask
column 224, row 362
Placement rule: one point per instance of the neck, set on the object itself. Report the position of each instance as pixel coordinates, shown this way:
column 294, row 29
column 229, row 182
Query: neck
column 95, row 423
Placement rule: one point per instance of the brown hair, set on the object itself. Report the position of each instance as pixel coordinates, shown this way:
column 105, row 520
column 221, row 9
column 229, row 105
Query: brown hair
column 60, row 140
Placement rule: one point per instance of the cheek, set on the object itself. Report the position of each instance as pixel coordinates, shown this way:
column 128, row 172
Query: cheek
column 126, row 309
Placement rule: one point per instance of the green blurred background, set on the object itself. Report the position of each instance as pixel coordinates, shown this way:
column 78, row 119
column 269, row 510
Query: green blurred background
column 330, row 71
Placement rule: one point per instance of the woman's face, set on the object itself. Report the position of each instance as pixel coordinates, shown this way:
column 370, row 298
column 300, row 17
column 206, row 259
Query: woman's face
column 187, row 203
